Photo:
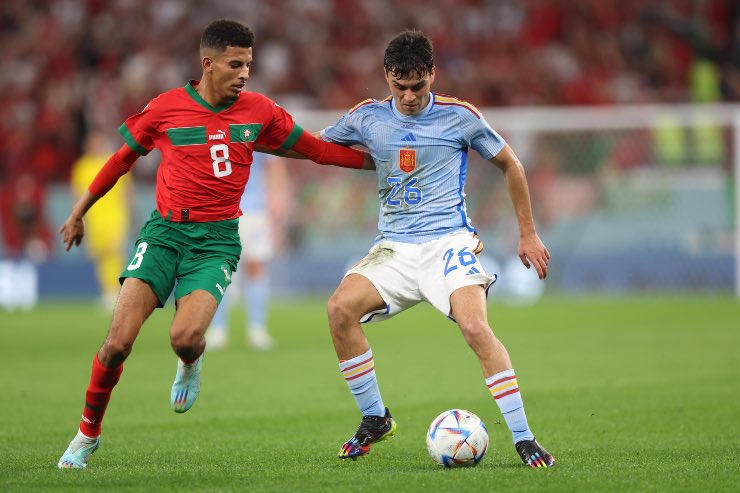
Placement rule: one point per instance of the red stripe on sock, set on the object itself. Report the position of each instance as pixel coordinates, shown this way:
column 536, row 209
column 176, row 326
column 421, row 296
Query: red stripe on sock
column 360, row 374
column 358, row 364
column 500, row 380
column 508, row 392
column 102, row 381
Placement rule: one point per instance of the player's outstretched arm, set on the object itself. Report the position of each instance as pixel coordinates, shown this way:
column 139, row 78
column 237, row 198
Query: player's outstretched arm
column 278, row 152
column 368, row 162
column 532, row 250
column 307, row 146
column 120, row 163
column 282, row 152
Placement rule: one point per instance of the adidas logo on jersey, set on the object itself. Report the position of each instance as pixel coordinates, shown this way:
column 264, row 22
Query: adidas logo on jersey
column 221, row 135
column 409, row 137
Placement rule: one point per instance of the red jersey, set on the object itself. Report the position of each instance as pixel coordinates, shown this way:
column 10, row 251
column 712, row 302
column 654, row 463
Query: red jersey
column 206, row 151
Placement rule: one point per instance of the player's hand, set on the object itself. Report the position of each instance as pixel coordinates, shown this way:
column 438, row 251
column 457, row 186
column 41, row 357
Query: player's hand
column 72, row 231
column 533, row 252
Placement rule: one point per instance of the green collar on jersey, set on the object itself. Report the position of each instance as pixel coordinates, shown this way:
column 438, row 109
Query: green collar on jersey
column 194, row 94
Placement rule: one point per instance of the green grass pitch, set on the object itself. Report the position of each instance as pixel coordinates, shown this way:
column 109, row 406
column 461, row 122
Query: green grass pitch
column 638, row 394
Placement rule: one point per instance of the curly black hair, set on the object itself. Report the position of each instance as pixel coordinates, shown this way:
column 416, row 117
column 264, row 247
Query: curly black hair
column 409, row 54
column 225, row 32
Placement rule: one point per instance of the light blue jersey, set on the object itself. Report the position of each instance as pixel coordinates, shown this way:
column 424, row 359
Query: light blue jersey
column 254, row 198
column 421, row 160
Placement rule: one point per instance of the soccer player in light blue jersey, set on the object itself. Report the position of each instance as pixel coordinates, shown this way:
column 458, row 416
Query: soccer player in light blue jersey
column 255, row 232
column 427, row 247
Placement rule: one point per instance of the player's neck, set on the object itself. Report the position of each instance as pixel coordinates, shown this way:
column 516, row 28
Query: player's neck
column 205, row 90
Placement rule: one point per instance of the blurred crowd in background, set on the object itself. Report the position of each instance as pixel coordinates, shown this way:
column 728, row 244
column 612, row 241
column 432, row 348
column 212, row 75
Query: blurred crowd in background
column 71, row 67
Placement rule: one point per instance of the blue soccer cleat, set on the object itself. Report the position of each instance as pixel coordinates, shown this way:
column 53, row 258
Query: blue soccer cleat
column 186, row 387
column 79, row 451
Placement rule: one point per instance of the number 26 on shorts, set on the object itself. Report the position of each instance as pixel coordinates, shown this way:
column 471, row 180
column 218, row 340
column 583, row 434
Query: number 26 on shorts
column 464, row 258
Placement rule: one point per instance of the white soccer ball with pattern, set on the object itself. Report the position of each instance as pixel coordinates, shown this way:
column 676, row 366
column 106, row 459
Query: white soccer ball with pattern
column 457, row 438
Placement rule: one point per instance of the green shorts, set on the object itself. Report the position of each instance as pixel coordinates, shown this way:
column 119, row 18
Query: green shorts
column 187, row 256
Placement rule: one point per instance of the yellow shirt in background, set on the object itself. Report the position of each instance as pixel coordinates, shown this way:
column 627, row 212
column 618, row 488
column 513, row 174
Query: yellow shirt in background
column 107, row 221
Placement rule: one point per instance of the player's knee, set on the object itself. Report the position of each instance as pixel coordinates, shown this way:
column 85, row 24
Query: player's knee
column 115, row 351
column 184, row 342
column 340, row 313
column 477, row 332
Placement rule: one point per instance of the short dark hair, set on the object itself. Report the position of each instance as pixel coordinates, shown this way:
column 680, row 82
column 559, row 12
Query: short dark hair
column 410, row 53
column 224, row 32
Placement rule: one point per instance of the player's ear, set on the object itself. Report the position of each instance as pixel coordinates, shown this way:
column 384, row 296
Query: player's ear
column 206, row 62
column 431, row 75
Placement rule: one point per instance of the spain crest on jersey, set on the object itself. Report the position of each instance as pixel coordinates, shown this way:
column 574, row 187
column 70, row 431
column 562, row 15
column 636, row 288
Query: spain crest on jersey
column 407, row 160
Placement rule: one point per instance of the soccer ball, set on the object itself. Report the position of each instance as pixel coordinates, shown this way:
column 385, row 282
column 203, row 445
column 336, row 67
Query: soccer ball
column 457, row 438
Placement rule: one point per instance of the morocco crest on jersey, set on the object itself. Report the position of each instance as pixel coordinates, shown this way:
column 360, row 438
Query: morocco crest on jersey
column 407, row 160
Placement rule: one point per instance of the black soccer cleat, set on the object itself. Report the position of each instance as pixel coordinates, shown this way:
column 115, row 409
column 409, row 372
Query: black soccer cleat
column 372, row 429
column 533, row 454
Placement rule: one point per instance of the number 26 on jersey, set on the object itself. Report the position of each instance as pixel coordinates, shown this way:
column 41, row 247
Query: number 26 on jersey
column 411, row 194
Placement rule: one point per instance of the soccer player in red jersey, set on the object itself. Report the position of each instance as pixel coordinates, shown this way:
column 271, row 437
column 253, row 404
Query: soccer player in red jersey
column 206, row 132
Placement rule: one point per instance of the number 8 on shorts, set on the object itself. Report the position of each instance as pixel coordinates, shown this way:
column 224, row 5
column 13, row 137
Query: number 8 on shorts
column 138, row 256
